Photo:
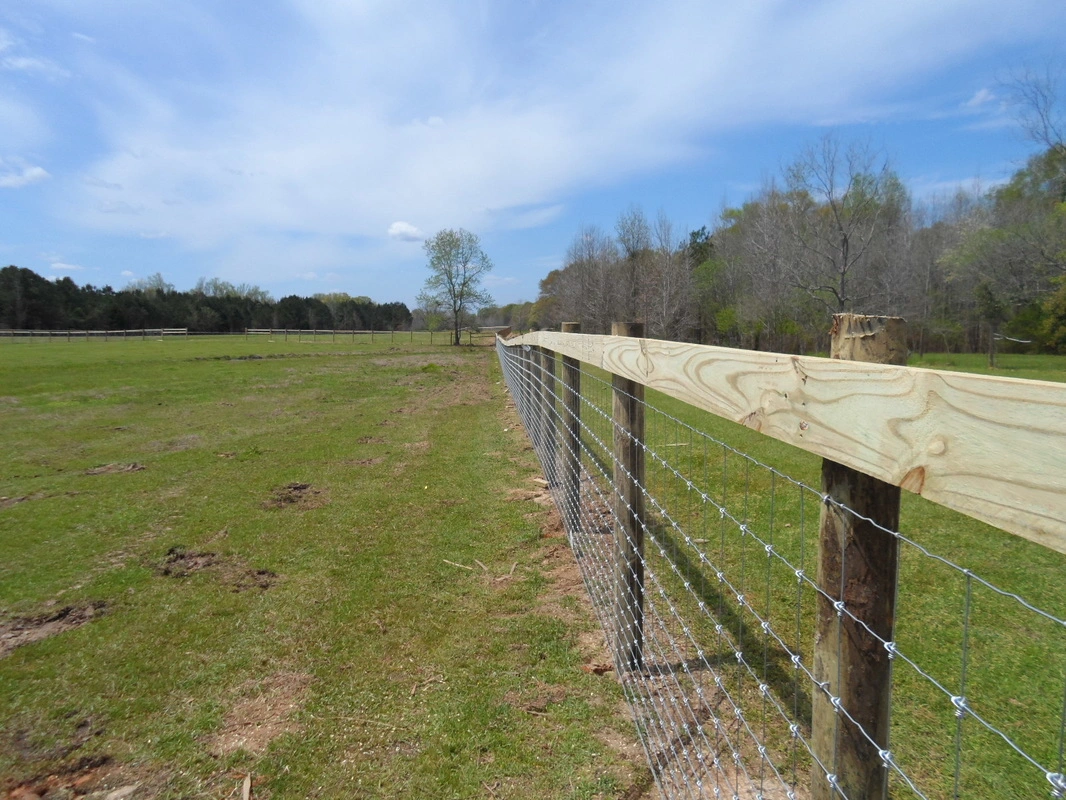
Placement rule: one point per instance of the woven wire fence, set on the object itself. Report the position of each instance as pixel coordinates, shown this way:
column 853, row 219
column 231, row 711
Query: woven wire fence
column 722, row 697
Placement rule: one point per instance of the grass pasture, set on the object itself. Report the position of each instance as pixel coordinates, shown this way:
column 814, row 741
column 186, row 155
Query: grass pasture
column 242, row 551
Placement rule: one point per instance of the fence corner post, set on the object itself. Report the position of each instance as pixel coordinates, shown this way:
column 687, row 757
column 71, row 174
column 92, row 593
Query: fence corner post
column 857, row 565
column 628, row 413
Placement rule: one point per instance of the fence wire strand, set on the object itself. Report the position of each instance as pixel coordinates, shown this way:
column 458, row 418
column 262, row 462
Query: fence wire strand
column 722, row 695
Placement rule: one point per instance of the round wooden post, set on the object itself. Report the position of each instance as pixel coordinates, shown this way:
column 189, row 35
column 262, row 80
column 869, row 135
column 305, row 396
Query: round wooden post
column 628, row 410
column 572, row 436
column 857, row 564
column 549, row 418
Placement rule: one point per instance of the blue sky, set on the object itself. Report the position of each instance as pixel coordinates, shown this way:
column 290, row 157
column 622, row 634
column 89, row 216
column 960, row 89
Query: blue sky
column 306, row 145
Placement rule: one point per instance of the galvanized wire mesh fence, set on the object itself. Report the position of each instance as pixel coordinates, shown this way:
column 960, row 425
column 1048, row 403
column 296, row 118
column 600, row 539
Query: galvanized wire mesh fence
column 726, row 591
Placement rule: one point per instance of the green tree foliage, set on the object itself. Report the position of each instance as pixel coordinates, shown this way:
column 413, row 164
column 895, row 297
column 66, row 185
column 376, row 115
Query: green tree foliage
column 457, row 265
column 29, row 301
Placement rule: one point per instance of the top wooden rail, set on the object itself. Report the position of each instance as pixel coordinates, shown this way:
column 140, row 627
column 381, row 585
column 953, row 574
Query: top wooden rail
column 992, row 448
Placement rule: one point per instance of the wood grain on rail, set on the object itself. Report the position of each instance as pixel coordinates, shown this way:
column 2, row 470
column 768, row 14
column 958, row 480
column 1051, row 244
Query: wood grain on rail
column 993, row 448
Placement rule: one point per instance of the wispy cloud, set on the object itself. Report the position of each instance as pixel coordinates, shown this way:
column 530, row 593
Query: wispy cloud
column 16, row 175
column 59, row 266
column 39, row 66
column 982, row 97
column 405, row 232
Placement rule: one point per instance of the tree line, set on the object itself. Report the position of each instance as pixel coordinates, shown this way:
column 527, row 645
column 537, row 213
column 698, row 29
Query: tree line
column 29, row 301
column 838, row 231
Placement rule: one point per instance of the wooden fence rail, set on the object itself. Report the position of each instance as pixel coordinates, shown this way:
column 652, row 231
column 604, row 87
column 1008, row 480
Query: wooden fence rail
column 990, row 447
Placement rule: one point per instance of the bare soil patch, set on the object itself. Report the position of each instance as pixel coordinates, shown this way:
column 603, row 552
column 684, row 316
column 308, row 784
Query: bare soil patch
column 296, row 495
column 25, row 630
column 7, row 502
column 92, row 778
column 363, row 462
column 538, row 699
column 180, row 563
column 263, row 713
column 109, row 469
column 538, row 496
column 370, row 440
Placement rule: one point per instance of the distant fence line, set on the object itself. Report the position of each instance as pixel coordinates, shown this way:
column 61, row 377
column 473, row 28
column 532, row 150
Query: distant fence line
column 68, row 335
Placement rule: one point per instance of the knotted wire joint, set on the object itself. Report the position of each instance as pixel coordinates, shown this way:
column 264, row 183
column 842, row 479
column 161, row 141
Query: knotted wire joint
column 1058, row 784
column 961, row 706
column 892, row 650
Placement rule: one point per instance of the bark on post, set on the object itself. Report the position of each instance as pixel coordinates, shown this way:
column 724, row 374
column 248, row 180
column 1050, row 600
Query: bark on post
column 572, row 437
column 629, row 510
column 857, row 564
column 548, row 421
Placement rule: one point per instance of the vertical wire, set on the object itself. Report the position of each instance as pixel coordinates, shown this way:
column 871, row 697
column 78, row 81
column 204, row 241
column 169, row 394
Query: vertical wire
column 960, row 702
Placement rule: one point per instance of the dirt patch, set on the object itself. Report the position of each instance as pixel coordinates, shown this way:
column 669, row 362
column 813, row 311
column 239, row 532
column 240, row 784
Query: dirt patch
column 25, row 630
column 93, row 778
column 263, row 713
column 7, row 502
column 538, row 699
column 417, row 447
column 370, row 440
column 180, row 562
column 109, row 469
column 296, row 495
column 539, row 496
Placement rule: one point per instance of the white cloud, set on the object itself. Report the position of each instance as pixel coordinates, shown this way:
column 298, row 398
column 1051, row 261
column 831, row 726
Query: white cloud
column 18, row 175
column 81, row 37
column 405, row 232
column 344, row 137
column 59, row 266
column 126, row 273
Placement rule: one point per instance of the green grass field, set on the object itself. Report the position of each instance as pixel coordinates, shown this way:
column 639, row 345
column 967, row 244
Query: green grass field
column 249, row 543
column 321, row 564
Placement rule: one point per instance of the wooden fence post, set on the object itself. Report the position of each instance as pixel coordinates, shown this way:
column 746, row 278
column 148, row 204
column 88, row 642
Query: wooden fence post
column 628, row 410
column 572, row 437
column 547, row 366
column 857, row 564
